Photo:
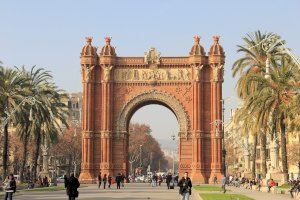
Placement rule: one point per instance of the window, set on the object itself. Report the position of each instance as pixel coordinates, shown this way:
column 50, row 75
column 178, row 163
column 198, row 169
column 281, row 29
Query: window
column 258, row 154
column 268, row 153
column 69, row 104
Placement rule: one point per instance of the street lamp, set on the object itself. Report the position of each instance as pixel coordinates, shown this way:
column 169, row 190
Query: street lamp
column 173, row 137
column 141, row 155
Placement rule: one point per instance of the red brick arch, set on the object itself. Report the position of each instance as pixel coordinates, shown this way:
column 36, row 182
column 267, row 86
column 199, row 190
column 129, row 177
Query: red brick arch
column 115, row 87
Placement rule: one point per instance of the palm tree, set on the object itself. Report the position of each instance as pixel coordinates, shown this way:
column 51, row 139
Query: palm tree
column 11, row 96
column 23, row 131
column 247, row 123
column 48, row 112
column 254, row 63
column 255, row 56
column 274, row 99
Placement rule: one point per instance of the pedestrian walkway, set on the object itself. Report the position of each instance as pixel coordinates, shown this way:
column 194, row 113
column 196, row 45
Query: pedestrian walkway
column 259, row 195
column 132, row 191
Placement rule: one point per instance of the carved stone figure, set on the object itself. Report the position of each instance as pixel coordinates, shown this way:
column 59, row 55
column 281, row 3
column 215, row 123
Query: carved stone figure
column 198, row 72
column 86, row 72
column 216, row 71
column 106, row 72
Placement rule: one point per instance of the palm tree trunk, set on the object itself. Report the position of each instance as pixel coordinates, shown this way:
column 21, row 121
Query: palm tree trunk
column 24, row 153
column 283, row 149
column 5, row 151
column 36, row 156
column 254, row 156
column 263, row 151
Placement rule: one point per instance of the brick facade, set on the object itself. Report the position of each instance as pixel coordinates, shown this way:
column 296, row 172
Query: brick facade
column 115, row 87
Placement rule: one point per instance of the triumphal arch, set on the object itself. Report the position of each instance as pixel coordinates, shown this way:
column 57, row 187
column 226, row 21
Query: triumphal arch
column 115, row 87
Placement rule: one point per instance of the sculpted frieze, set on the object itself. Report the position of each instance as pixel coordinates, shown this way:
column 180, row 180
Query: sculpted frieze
column 175, row 74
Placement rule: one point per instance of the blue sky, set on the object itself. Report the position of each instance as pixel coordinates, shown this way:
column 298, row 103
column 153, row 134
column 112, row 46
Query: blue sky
column 50, row 34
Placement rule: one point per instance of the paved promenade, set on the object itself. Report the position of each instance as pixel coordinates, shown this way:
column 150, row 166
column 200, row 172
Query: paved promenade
column 133, row 191
column 136, row 191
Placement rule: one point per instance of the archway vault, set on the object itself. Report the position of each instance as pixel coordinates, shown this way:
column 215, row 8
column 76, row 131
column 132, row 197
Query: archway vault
column 148, row 97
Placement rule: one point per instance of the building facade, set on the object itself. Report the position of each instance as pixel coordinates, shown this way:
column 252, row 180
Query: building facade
column 240, row 156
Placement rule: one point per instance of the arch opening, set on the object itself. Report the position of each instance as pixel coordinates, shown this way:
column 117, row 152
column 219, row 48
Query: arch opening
column 152, row 97
column 157, row 136
column 144, row 105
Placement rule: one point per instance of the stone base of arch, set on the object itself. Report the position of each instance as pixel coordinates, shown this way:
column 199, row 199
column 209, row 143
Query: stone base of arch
column 87, row 177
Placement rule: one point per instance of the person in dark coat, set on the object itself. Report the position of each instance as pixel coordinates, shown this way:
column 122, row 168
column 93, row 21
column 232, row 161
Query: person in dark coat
column 66, row 181
column 118, row 180
column 99, row 180
column 109, row 179
column 72, row 186
column 104, row 181
column 168, row 180
column 185, row 185
column 10, row 187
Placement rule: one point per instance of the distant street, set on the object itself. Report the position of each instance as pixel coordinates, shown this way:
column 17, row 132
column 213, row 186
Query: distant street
column 133, row 191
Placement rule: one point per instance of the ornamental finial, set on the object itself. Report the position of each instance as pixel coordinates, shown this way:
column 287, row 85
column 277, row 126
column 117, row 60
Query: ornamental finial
column 216, row 38
column 196, row 39
column 107, row 40
column 89, row 40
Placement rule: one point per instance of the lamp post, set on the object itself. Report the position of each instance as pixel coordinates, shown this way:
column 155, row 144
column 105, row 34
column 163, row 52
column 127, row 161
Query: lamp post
column 173, row 137
column 223, row 138
column 141, row 155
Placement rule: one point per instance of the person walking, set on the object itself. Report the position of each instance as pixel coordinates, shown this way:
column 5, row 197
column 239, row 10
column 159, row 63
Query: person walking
column 72, row 186
column 185, row 187
column 215, row 180
column 99, row 180
column 271, row 184
column 168, row 180
column 118, row 180
column 160, row 179
column 154, row 179
column 10, row 187
column 223, row 181
column 122, row 179
column 66, row 181
column 258, row 182
column 104, row 181
column 109, row 179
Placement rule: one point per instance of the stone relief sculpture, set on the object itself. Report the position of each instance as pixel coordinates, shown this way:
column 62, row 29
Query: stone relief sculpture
column 198, row 72
column 106, row 72
column 86, row 72
column 181, row 74
column 216, row 71
column 152, row 56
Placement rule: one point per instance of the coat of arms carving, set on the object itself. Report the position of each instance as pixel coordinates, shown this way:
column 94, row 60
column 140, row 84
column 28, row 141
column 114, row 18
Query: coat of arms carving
column 152, row 57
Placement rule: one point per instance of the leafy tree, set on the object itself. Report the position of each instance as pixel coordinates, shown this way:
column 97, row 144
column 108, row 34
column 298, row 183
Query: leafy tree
column 140, row 134
column 68, row 146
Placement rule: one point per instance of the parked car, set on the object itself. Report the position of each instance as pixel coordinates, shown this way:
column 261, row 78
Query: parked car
column 60, row 179
column 140, row 179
